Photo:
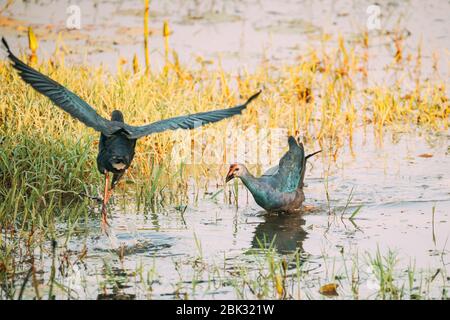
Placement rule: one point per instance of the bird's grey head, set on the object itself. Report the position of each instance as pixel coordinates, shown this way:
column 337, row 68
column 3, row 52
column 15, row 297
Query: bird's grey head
column 236, row 170
column 116, row 115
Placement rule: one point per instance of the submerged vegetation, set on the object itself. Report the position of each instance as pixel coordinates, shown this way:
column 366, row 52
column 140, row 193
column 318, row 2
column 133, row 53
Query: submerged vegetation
column 47, row 160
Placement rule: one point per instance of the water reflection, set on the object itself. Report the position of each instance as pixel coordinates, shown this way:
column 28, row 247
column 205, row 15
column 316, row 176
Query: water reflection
column 284, row 231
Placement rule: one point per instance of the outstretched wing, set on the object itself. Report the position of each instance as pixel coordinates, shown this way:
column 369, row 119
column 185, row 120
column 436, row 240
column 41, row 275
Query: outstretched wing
column 188, row 121
column 62, row 97
column 288, row 175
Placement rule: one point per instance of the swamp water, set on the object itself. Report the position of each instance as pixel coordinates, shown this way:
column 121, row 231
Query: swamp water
column 212, row 250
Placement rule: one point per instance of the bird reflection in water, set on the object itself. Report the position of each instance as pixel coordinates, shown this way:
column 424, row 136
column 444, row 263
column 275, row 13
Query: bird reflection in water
column 284, row 231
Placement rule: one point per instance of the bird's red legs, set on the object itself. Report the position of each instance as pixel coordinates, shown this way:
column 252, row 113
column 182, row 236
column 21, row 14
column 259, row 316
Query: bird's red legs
column 106, row 196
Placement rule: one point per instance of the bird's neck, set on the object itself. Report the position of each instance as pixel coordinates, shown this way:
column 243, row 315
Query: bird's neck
column 251, row 183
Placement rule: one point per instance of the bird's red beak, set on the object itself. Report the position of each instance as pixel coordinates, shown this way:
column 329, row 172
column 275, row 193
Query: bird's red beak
column 230, row 174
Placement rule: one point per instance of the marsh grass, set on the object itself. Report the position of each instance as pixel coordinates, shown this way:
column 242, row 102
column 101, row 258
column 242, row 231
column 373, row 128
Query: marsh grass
column 47, row 159
column 314, row 97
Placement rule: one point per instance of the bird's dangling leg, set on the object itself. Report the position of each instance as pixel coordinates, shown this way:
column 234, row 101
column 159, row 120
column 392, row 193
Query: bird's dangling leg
column 116, row 178
column 105, row 201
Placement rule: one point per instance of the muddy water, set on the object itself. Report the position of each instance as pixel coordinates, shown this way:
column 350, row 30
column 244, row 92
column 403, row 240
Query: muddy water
column 236, row 34
column 398, row 181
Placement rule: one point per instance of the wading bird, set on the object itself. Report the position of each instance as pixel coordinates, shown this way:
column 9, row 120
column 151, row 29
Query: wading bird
column 280, row 188
column 117, row 139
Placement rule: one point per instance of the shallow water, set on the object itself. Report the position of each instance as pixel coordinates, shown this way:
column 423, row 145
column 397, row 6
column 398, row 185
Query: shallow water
column 238, row 35
column 198, row 252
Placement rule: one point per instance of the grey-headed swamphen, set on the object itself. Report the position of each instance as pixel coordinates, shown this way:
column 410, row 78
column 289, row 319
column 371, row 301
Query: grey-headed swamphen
column 281, row 187
column 117, row 139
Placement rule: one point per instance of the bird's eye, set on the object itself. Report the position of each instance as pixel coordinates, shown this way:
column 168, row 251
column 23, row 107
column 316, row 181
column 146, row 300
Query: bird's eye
column 237, row 169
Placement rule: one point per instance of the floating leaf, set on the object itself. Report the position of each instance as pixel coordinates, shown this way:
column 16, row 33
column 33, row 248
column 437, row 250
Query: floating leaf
column 329, row 289
column 425, row 155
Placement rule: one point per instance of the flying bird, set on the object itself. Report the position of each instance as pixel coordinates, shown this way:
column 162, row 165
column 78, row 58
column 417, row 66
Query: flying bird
column 279, row 189
column 117, row 138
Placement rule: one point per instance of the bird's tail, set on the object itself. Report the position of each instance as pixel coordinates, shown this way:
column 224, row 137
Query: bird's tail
column 312, row 154
column 302, row 178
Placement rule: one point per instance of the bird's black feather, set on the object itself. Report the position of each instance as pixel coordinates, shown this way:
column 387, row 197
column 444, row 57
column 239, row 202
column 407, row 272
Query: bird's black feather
column 117, row 139
column 188, row 121
column 62, row 97
column 82, row 111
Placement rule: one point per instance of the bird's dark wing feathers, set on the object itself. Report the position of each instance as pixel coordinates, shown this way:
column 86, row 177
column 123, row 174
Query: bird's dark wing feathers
column 82, row 111
column 289, row 176
column 188, row 121
column 62, row 97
